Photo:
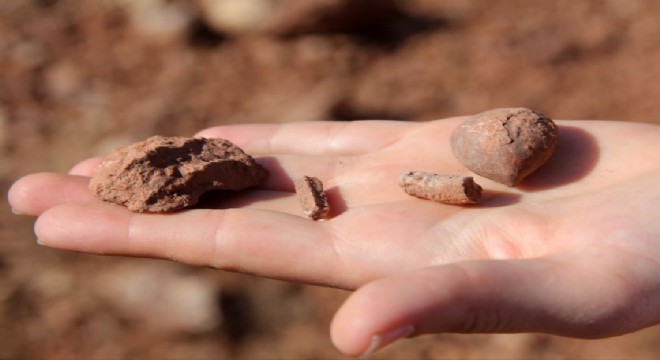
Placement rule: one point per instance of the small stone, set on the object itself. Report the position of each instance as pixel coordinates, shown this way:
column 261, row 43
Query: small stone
column 164, row 174
column 446, row 189
column 236, row 17
column 159, row 20
column 505, row 145
column 312, row 197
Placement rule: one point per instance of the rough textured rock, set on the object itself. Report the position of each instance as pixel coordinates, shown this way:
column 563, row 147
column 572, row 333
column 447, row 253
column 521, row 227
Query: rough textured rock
column 446, row 189
column 505, row 145
column 312, row 197
column 170, row 173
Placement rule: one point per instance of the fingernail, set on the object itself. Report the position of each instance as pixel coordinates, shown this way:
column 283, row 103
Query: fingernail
column 40, row 242
column 16, row 212
column 382, row 340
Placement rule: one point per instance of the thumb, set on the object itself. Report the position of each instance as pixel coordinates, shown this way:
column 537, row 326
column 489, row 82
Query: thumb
column 532, row 295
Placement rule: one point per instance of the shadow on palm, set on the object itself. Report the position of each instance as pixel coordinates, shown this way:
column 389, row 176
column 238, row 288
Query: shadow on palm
column 576, row 155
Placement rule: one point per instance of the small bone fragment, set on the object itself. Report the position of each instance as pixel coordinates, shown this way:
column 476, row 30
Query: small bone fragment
column 312, row 197
column 446, row 189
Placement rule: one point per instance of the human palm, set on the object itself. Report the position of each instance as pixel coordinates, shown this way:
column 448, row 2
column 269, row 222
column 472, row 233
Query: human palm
column 580, row 238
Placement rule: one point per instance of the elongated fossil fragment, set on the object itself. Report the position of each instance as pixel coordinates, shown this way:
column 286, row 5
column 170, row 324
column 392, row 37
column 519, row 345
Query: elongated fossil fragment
column 446, row 189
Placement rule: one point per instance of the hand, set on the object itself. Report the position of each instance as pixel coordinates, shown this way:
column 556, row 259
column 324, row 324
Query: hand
column 574, row 250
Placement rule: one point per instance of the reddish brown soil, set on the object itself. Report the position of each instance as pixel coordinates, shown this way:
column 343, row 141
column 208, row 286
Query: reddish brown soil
column 78, row 78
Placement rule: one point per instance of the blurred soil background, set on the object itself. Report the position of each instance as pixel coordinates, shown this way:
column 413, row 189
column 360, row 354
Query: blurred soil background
column 78, row 78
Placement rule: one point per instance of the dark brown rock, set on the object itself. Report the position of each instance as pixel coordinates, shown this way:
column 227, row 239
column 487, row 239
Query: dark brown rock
column 164, row 174
column 446, row 189
column 505, row 145
column 312, row 197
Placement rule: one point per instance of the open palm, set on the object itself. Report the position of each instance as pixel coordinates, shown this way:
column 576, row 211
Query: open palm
column 579, row 239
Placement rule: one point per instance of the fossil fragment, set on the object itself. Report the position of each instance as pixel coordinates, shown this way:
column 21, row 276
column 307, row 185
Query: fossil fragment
column 312, row 197
column 505, row 145
column 446, row 189
column 164, row 174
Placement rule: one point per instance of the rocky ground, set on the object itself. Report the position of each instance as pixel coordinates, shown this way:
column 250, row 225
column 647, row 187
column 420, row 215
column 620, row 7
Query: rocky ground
column 78, row 78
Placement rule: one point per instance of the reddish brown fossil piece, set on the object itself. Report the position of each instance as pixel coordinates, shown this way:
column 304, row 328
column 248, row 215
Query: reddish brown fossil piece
column 312, row 197
column 505, row 145
column 164, row 174
column 446, row 189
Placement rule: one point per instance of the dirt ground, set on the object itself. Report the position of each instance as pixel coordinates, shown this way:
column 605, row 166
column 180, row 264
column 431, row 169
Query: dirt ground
column 78, row 78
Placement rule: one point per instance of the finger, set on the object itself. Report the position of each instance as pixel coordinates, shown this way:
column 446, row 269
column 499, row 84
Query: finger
column 312, row 138
column 35, row 193
column 283, row 170
column 86, row 167
column 261, row 242
column 483, row 297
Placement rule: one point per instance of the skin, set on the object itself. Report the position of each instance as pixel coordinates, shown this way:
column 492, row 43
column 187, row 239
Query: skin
column 574, row 250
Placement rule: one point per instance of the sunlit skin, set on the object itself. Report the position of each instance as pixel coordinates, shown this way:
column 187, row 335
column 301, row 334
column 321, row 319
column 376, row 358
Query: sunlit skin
column 574, row 250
